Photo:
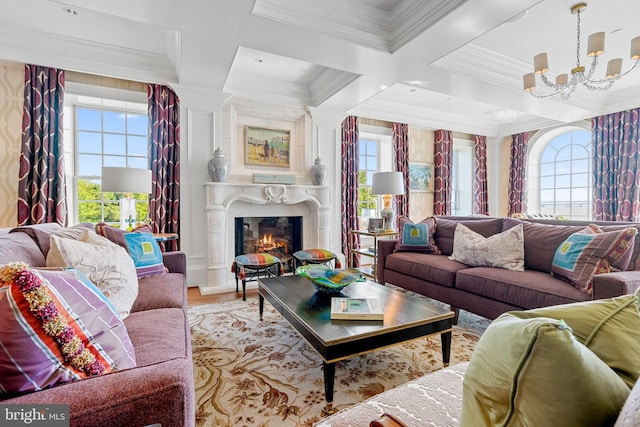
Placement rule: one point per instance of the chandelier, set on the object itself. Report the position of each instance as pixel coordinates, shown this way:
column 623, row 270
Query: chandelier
column 564, row 85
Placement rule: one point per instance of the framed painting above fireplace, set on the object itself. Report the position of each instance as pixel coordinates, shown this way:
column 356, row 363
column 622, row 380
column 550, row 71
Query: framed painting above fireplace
column 267, row 147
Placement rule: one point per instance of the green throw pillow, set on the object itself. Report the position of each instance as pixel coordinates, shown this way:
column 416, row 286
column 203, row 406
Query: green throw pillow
column 533, row 372
column 609, row 327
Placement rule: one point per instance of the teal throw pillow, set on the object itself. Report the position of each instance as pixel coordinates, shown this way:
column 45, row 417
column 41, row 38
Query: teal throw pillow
column 146, row 254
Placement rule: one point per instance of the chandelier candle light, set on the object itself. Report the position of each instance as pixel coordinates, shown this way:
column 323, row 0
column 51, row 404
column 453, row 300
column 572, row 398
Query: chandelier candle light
column 126, row 180
column 387, row 184
column 565, row 86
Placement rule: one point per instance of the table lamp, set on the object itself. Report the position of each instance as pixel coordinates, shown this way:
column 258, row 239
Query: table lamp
column 388, row 184
column 126, row 180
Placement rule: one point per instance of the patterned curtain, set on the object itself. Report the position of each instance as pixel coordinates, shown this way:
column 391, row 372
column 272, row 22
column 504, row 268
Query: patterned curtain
column 616, row 166
column 442, row 161
column 41, row 181
column 350, row 169
column 480, row 194
column 401, row 148
column 164, row 146
column 518, row 174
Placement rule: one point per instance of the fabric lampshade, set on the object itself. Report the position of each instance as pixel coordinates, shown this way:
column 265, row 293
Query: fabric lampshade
column 126, row 180
column 387, row 183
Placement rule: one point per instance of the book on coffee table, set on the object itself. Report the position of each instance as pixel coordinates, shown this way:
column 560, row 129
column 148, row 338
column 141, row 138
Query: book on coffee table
column 356, row 309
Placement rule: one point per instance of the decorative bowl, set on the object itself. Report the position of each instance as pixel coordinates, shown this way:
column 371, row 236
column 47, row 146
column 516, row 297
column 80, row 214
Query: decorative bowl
column 328, row 280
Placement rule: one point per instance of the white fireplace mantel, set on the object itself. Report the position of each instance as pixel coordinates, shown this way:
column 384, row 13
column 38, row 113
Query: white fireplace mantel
column 224, row 201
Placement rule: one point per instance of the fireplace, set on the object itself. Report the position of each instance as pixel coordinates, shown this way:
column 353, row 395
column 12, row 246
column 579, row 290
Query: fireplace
column 279, row 236
column 226, row 201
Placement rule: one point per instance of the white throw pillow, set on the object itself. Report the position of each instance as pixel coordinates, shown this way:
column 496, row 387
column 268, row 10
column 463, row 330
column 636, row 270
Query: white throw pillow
column 106, row 264
column 502, row 250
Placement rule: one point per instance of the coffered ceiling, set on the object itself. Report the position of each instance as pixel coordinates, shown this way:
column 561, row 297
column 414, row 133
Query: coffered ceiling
column 431, row 63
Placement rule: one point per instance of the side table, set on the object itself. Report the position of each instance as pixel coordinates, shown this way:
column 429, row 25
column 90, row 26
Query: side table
column 369, row 252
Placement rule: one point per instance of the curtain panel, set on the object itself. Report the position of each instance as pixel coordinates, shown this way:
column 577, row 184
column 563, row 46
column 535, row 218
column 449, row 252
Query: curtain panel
column 401, row 148
column 164, row 146
column 480, row 192
column 442, row 161
column 616, row 166
column 349, row 208
column 41, row 180
column 518, row 174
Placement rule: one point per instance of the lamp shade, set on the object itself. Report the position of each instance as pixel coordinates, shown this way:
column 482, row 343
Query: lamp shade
column 126, row 180
column 387, row 183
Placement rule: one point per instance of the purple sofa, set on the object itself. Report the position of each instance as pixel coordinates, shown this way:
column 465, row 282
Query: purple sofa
column 489, row 291
column 160, row 389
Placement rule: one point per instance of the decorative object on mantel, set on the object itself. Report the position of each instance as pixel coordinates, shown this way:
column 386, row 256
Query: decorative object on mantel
column 564, row 86
column 218, row 166
column 263, row 178
column 318, row 172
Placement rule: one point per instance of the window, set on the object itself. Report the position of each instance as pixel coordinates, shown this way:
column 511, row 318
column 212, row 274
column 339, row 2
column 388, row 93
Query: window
column 461, row 178
column 368, row 165
column 101, row 133
column 560, row 176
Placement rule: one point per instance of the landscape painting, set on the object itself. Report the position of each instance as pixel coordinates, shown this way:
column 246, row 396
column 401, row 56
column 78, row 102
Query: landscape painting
column 267, row 147
column 420, row 176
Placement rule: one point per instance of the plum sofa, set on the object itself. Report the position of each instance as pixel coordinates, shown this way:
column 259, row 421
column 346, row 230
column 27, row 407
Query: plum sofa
column 160, row 389
column 490, row 291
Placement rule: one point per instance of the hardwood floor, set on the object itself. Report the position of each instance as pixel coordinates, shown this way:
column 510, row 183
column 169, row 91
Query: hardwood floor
column 194, row 297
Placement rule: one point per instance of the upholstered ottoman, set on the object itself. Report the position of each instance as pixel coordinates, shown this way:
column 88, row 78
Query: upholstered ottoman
column 434, row 399
column 249, row 267
column 314, row 256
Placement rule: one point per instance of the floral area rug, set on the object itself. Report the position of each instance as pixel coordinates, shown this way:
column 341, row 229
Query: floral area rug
column 262, row 373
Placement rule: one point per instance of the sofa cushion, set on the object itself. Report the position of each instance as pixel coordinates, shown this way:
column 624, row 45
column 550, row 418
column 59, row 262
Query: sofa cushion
column 159, row 335
column 534, row 372
column 437, row 269
column 446, row 228
column 106, row 264
column 417, row 237
column 608, row 327
column 589, row 252
column 541, row 242
column 116, row 235
column 56, row 327
column 173, row 294
column 501, row 250
column 20, row 247
column 526, row 289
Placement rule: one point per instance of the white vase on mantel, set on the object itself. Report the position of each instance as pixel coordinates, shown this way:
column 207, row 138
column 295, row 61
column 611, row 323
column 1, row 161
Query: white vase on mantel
column 318, row 172
column 218, row 166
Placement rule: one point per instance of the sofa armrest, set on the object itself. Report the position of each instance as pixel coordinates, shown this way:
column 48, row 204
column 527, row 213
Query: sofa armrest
column 385, row 247
column 609, row 285
column 161, row 393
column 176, row 262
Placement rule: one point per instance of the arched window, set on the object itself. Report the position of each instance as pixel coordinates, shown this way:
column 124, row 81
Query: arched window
column 560, row 172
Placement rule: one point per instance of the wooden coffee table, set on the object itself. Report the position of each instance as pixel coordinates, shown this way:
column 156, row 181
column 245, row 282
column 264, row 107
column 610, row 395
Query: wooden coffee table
column 406, row 317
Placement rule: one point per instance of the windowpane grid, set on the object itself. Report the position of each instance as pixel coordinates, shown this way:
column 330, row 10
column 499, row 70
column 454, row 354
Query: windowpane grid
column 107, row 138
column 368, row 165
column 565, row 176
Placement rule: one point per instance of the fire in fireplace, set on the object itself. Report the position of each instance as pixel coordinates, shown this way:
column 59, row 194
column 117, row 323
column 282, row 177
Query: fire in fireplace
column 279, row 236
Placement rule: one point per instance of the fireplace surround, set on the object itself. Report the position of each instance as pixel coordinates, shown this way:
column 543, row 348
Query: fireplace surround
column 226, row 201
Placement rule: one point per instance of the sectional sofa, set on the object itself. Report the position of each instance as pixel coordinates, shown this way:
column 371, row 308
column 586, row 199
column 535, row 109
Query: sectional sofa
column 160, row 388
column 490, row 291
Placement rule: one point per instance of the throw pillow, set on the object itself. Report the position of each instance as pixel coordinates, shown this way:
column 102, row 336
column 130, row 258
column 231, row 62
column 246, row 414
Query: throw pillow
column 145, row 252
column 534, row 372
column 584, row 254
column 417, row 237
column 620, row 257
column 56, row 327
column 107, row 265
column 608, row 327
column 502, row 250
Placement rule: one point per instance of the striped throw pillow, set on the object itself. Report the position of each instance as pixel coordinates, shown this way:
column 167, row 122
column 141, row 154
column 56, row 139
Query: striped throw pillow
column 56, row 327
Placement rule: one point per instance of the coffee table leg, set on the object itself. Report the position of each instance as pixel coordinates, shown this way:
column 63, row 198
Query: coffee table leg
column 261, row 305
column 445, row 339
column 329, row 377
